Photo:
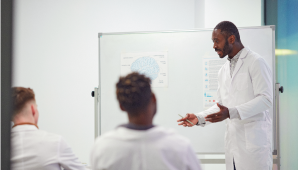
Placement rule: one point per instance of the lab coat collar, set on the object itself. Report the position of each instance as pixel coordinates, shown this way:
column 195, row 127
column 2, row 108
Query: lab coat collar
column 21, row 128
column 136, row 127
column 240, row 62
column 154, row 132
column 244, row 53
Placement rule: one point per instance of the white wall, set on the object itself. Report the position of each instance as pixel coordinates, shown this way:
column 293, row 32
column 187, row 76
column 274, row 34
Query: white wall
column 199, row 6
column 56, row 54
column 242, row 13
column 56, row 50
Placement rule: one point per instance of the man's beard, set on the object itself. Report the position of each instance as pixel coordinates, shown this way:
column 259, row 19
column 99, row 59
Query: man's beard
column 226, row 50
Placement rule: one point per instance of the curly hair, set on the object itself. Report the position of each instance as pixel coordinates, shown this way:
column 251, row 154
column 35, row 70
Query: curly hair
column 133, row 91
column 20, row 97
column 228, row 28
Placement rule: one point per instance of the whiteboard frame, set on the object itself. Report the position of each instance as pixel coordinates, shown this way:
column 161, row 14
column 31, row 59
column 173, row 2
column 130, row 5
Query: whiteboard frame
column 275, row 137
column 190, row 30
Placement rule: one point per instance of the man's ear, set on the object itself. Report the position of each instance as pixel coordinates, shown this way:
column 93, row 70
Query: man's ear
column 33, row 109
column 121, row 107
column 232, row 39
column 153, row 98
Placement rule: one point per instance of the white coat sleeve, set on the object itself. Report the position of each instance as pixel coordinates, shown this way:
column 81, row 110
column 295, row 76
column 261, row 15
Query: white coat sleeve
column 261, row 78
column 67, row 158
column 193, row 163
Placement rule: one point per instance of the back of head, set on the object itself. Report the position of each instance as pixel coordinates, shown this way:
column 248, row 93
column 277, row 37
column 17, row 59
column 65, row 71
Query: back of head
column 227, row 29
column 21, row 96
column 133, row 92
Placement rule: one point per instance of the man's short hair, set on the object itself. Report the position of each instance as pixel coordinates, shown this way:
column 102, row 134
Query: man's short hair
column 228, row 28
column 20, row 97
column 133, row 91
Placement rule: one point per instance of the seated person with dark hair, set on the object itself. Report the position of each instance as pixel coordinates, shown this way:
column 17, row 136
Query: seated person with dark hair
column 34, row 149
column 140, row 145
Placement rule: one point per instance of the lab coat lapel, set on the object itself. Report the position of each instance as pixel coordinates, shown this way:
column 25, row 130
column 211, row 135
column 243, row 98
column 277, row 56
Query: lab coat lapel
column 228, row 76
column 239, row 62
column 227, row 83
column 238, row 66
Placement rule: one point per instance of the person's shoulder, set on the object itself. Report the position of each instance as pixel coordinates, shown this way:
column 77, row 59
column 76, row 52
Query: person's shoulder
column 168, row 140
column 49, row 136
column 253, row 56
column 42, row 138
column 108, row 135
column 43, row 132
column 256, row 59
column 169, row 134
column 108, row 142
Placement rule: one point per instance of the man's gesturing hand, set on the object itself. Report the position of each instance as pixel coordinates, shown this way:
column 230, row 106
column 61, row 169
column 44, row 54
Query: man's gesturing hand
column 191, row 117
column 219, row 116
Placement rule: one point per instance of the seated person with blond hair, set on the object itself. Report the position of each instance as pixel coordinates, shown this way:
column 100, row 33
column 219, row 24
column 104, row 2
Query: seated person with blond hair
column 34, row 149
column 140, row 145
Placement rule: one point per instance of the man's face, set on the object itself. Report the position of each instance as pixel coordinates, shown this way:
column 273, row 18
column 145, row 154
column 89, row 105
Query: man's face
column 221, row 43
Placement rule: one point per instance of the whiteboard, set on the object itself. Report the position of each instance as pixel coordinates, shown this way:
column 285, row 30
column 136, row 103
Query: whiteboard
column 184, row 94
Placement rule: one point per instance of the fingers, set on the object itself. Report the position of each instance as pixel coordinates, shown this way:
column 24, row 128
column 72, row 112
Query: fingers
column 220, row 106
column 182, row 123
column 214, row 115
column 189, row 124
column 186, row 116
column 185, row 124
column 215, row 120
column 184, row 119
column 179, row 120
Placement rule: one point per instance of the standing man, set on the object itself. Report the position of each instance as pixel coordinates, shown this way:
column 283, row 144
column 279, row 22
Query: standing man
column 34, row 149
column 245, row 96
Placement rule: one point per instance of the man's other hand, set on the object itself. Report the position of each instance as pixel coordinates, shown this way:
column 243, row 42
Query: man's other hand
column 219, row 116
column 189, row 116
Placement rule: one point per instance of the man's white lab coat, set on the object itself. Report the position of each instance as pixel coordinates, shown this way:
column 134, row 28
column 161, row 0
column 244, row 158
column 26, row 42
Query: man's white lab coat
column 33, row 149
column 154, row 149
column 249, row 90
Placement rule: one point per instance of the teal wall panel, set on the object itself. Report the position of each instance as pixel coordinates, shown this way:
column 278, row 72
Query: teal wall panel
column 287, row 76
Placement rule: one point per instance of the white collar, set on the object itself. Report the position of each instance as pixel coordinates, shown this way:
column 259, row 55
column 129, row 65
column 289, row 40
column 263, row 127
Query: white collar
column 21, row 128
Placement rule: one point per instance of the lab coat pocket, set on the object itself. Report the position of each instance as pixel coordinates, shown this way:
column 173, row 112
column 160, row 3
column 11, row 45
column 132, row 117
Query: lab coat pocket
column 255, row 135
column 242, row 81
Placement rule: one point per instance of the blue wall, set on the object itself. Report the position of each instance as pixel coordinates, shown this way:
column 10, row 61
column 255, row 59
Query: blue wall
column 287, row 76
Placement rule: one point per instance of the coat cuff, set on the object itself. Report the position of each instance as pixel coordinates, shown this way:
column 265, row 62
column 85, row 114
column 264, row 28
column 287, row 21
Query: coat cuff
column 201, row 119
column 234, row 114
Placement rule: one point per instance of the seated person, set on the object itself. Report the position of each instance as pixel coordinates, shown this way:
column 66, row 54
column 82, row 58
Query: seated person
column 34, row 149
column 140, row 145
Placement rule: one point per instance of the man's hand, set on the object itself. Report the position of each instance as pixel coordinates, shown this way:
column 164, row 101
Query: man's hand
column 191, row 117
column 219, row 116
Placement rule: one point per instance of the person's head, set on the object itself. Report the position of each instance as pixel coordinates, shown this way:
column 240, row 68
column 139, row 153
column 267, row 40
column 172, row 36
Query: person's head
column 225, row 35
column 135, row 96
column 24, row 105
